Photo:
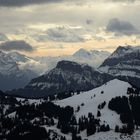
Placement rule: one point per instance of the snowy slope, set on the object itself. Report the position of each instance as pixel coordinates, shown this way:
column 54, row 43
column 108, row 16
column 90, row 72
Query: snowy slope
column 93, row 98
column 114, row 136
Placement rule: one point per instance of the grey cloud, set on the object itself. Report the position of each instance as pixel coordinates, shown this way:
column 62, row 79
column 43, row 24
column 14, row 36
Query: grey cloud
column 63, row 34
column 89, row 21
column 124, row 0
column 10, row 3
column 16, row 45
column 40, row 37
column 15, row 3
column 120, row 27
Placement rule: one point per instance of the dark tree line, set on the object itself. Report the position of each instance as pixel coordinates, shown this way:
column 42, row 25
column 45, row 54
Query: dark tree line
column 128, row 108
column 28, row 119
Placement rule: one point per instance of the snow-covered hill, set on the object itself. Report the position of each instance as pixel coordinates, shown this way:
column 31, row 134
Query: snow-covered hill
column 91, row 99
column 88, row 102
column 124, row 63
column 114, row 136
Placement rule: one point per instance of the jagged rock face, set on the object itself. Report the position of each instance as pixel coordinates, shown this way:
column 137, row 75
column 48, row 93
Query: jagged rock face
column 66, row 77
column 124, row 63
column 122, row 55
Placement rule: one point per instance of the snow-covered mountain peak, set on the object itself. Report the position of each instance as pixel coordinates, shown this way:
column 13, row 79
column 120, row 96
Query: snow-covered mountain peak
column 92, row 53
column 123, row 50
column 82, row 53
column 24, row 62
column 124, row 63
column 82, row 56
column 18, row 57
column 99, row 52
column 10, row 73
column 5, row 58
column 7, row 64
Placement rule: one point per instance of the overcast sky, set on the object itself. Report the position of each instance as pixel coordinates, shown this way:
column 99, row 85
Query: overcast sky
column 59, row 27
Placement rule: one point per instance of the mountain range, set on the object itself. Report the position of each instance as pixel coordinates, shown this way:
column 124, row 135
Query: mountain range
column 15, row 65
column 69, row 76
column 123, row 63
column 66, row 77
column 75, row 101
column 94, row 58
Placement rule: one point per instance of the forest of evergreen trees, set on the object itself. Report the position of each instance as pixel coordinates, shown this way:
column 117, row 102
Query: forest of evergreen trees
column 128, row 108
column 30, row 119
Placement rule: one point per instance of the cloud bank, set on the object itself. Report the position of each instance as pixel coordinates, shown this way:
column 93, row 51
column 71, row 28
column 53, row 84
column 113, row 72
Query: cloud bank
column 13, row 3
column 16, row 3
column 64, row 35
column 16, row 45
column 120, row 27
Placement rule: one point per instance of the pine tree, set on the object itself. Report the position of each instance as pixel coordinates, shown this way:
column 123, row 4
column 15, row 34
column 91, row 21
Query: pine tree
column 117, row 128
column 98, row 113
